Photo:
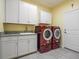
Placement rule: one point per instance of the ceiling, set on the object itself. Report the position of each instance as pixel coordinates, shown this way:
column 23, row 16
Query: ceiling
column 49, row 3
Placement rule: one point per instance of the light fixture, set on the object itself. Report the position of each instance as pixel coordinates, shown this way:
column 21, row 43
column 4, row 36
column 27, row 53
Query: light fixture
column 72, row 3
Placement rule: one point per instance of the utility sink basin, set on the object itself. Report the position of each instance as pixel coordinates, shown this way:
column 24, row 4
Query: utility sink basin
column 26, row 33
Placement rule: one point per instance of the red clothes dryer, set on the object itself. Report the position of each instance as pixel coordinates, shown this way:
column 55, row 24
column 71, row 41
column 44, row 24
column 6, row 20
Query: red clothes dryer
column 55, row 42
column 44, row 35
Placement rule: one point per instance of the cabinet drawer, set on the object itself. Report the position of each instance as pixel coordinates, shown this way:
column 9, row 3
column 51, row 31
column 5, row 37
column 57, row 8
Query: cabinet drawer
column 28, row 37
column 8, row 38
column 23, row 37
column 32, row 36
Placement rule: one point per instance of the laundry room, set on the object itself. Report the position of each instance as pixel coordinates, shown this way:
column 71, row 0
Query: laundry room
column 39, row 29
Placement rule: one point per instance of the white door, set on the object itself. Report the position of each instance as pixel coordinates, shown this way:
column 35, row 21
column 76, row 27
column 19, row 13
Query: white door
column 71, row 34
column 11, row 11
column 8, row 47
column 22, row 45
column 32, row 43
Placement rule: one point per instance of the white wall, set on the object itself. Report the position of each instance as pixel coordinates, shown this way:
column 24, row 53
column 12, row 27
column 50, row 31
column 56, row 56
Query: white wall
column 2, row 14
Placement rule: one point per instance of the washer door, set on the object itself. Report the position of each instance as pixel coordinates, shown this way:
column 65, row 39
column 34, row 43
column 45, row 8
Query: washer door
column 47, row 34
column 57, row 33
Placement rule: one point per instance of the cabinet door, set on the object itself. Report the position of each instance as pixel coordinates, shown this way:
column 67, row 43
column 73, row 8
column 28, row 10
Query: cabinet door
column 48, row 17
column 8, row 47
column 22, row 46
column 45, row 17
column 12, row 11
column 33, row 14
column 23, row 14
column 42, row 16
column 33, row 43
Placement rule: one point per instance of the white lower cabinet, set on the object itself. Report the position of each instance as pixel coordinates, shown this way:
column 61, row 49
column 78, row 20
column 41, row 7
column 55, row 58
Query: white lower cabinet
column 23, row 45
column 33, row 43
column 8, row 47
column 27, row 44
column 14, row 46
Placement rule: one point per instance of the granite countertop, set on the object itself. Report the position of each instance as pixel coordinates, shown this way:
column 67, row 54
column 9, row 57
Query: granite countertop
column 16, row 34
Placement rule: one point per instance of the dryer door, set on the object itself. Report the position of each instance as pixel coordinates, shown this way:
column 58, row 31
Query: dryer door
column 47, row 34
column 57, row 33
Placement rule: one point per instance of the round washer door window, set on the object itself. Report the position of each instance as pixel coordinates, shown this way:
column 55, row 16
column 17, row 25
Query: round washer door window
column 47, row 34
column 57, row 33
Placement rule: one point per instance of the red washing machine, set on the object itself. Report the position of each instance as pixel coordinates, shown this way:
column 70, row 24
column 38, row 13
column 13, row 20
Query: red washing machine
column 44, row 35
column 55, row 42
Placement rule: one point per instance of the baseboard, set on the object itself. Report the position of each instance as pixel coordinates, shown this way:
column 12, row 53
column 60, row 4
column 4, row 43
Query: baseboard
column 71, row 50
column 24, row 55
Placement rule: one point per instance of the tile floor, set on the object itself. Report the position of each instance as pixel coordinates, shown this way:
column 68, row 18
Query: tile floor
column 60, row 53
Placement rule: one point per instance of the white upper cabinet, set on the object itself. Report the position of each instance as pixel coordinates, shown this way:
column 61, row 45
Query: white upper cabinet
column 28, row 13
column 49, row 18
column 18, row 11
column 33, row 14
column 2, row 16
column 42, row 16
column 45, row 17
column 11, row 15
column 23, row 13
